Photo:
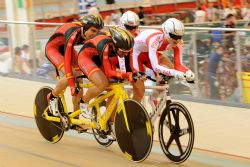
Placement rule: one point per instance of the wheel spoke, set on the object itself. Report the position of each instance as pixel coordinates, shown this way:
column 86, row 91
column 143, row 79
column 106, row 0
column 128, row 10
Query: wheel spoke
column 176, row 118
column 184, row 132
column 168, row 117
column 168, row 126
column 181, row 125
column 169, row 142
column 177, row 140
column 166, row 123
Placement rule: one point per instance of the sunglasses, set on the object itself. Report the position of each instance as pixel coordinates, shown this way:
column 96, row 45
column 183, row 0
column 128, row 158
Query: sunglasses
column 124, row 51
column 175, row 37
column 130, row 27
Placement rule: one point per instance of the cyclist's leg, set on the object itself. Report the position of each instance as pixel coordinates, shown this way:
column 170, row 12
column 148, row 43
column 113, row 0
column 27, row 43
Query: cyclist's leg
column 54, row 52
column 61, row 85
column 56, row 58
column 138, row 90
column 76, row 99
column 94, row 74
column 138, row 86
column 76, row 72
column 100, row 81
column 164, row 61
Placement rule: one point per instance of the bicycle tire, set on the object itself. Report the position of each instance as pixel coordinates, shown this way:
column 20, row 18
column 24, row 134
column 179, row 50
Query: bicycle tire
column 176, row 131
column 100, row 137
column 51, row 131
column 136, row 144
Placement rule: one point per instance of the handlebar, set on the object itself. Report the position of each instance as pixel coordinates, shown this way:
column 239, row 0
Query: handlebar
column 135, row 77
column 165, row 79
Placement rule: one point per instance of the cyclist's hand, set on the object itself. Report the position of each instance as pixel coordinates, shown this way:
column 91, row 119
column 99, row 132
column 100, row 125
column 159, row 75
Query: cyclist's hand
column 132, row 77
column 189, row 75
column 74, row 90
column 142, row 76
column 179, row 75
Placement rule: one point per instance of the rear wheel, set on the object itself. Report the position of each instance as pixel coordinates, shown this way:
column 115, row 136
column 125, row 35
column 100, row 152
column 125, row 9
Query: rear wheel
column 133, row 131
column 176, row 132
column 51, row 131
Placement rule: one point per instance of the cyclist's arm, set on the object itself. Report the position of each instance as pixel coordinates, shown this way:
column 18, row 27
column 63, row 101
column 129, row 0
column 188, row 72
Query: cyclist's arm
column 69, row 49
column 152, row 51
column 110, row 73
column 177, row 60
column 131, row 62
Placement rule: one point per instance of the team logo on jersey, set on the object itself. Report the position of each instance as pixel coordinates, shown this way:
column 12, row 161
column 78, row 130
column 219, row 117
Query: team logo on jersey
column 155, row 43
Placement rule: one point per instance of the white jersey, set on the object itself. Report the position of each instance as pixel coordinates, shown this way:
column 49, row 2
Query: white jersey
column 148, row 43
column 122, row 59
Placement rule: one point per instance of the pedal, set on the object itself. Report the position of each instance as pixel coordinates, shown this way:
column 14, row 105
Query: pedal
column 65, row 121
column 111, row 137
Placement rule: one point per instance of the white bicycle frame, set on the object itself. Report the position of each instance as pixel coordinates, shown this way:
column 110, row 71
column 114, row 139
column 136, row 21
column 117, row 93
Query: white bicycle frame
column 162, row 103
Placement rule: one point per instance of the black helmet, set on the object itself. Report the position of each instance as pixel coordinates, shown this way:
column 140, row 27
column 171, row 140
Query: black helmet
column 121, row 38
column 91, row 20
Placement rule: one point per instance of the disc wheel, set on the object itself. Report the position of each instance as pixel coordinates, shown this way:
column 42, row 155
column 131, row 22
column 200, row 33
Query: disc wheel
column 51, row 131
column 134, row 136
column 176, row 132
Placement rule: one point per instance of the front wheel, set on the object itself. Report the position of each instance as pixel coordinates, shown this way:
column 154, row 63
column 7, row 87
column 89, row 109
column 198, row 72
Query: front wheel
column 133, row 131
column 176, row 132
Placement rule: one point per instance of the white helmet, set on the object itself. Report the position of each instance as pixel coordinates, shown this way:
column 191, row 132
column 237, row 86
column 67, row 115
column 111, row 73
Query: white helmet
column 173, row 28
column 130, row 18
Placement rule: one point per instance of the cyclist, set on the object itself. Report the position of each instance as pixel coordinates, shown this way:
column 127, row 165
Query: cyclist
column 130, row 22
column 61, row 53
column 146, row 53
column 96, row 60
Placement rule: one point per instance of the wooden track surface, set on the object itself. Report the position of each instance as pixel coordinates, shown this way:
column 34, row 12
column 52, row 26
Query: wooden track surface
column 22, row 145
column 217, row 128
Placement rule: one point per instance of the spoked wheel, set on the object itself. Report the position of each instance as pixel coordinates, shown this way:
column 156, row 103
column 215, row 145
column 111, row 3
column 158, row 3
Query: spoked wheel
column 133, row 131
column 176, row 134
column 51, row 131
column 101, row 137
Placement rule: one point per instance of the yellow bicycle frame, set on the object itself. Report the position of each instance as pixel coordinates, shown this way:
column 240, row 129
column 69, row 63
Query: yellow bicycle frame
column 115, row 90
